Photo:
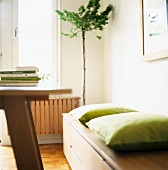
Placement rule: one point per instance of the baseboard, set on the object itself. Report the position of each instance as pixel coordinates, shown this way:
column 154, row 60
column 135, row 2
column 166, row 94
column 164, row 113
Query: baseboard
column 42, row 139
column 48, row 139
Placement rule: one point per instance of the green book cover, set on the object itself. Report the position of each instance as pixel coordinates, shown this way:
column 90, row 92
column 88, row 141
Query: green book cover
column 18, row 81
column 17, row 72
column 21, row 78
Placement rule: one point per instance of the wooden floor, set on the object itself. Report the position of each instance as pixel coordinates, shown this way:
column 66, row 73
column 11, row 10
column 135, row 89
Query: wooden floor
column 52, row 157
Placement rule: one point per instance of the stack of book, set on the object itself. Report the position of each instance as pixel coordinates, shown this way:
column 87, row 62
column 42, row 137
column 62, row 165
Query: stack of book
column 21, row 76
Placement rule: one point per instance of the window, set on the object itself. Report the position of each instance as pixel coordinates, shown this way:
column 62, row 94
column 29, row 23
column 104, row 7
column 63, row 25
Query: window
column 37, row 36
column 29, row 32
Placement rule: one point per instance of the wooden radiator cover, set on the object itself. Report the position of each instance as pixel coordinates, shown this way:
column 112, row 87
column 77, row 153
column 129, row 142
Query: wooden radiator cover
column 47, row 114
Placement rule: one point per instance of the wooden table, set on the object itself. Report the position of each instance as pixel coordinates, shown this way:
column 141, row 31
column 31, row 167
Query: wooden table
column 16, row 103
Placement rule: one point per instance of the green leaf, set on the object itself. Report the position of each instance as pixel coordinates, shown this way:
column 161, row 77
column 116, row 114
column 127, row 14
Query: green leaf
column 87, row 18
column 99, row 37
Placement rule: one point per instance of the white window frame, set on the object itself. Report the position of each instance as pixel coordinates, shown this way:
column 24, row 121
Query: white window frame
column 9, row 42
column 9, row 48
column 9, row 19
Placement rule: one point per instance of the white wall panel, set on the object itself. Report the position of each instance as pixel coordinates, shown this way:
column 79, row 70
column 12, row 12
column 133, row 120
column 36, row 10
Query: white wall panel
column 128, row 80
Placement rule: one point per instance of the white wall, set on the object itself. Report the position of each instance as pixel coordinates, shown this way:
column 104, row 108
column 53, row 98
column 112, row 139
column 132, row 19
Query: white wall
column 128, row 80
column 71, row 60
column 0, row 61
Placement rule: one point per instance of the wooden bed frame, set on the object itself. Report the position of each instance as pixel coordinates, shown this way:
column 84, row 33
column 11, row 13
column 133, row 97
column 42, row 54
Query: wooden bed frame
column 86, row 151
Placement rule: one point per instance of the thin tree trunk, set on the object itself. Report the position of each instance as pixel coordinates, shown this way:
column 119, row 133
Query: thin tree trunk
column 84, row 67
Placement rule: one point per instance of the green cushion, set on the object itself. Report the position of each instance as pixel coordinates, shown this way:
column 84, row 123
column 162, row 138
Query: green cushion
column 132, row 131
column 88, row 112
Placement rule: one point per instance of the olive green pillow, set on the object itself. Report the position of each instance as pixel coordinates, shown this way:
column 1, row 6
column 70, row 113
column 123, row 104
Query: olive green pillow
column 88, row 112
column 132, row 131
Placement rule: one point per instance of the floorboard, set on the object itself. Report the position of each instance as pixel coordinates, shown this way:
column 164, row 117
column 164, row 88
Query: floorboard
column 52, row 157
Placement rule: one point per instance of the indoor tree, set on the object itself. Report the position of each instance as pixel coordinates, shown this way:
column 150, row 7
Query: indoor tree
column 86, row 19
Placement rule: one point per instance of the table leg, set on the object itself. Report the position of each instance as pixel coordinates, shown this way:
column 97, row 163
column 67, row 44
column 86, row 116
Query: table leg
column 22, row 133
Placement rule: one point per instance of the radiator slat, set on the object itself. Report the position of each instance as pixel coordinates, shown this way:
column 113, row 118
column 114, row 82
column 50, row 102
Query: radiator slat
column 33, row 109
column 55, row 117
column 51, row 131
column 74, row 102
column 64, row 105
column 46, row 117
column 37, row 117
column 60, row 111
column 42, row 117
column 69, row 104
column 47, row 114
